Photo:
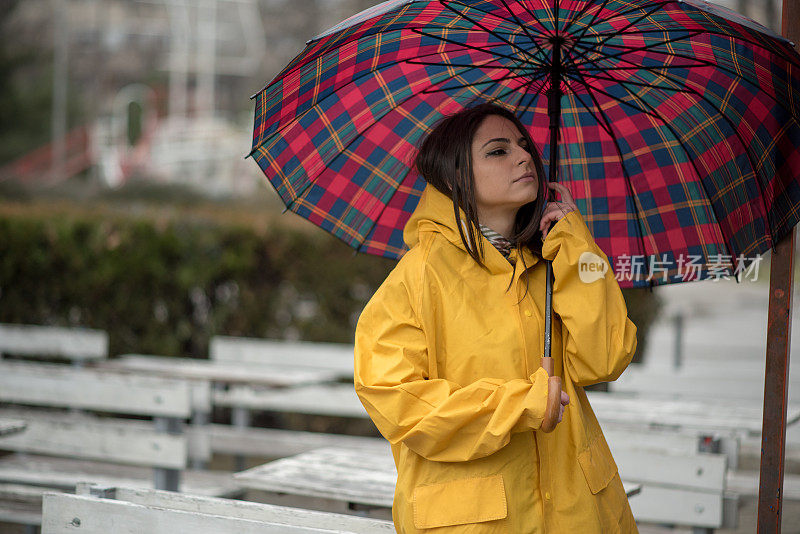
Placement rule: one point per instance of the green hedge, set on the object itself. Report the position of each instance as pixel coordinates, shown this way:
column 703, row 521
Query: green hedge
column 164, row 284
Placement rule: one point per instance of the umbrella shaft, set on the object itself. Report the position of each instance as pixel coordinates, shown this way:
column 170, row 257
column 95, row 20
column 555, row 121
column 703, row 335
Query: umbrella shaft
column 554, row 106
column 554, row 111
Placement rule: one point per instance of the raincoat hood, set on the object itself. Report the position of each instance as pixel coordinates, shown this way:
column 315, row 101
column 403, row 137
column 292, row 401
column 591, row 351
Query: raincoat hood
column 434, row 213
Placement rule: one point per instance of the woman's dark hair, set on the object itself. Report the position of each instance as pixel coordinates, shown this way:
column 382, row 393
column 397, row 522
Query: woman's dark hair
column 445, row 161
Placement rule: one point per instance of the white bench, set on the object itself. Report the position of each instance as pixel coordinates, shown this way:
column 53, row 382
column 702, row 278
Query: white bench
column 204, row 375
column 270, row 442
column 251, row 353
column 336, row 357
column 99, row 510
column 646, row 425
column 739, row 383
column 667, row 481
column 59, row 449
column 76, row 345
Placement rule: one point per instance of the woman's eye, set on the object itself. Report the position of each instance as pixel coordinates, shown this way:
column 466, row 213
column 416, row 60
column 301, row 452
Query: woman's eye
column 497, row 152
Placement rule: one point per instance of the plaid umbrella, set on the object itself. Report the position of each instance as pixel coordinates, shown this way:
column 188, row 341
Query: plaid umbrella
column 678, row 128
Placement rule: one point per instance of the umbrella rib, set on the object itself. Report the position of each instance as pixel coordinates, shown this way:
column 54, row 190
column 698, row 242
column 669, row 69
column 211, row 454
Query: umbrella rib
column 578, row 15
column 533, row 96
column 429, row 90
column 666, row 122
column 656, row 8
column 489, row 13
column 401, row 180
column 617, row 99
column 310, row 181
column 350, row 81
column 635, row 67
column 695, row 92
column 523, row 25
column 527, row 91
column 609, row 128
column 744, row 145
column 472, row 47
column 472, row 64
column 759, row 43
column 586, row 28
column 701, row 62
column 333, row 93
column 691, row 160
column 765, row 45
column 595, row 47
column 650, row 85
column 521, row 50
column 676, row 54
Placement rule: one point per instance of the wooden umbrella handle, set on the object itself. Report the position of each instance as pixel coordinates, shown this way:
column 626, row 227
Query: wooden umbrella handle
column 553, row 396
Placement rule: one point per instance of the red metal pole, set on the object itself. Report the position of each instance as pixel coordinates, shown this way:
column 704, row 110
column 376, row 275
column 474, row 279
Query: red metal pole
column 773, row 428
column 779, row 328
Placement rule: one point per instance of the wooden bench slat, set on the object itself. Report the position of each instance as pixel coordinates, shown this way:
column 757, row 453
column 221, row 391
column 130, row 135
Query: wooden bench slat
column 100, row 516
column 678, row 506
column 336, row 357
column 746, row 483
column 21, row 504
column 361, row 478
column 242, row 509
column 56, row 385
column 52, row 341
column 702, row 471
column 128, row 442
column 319, row 399
column 270, row 376
column 65, row 473
column 272, row 442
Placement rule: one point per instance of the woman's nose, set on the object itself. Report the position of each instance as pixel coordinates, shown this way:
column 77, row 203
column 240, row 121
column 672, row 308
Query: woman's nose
column 524, row 156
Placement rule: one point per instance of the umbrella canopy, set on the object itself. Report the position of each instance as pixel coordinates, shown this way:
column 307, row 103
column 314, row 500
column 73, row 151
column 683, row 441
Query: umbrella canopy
column 679, row 123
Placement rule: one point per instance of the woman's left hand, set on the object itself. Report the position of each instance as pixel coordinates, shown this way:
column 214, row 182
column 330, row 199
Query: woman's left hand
column 555, row 211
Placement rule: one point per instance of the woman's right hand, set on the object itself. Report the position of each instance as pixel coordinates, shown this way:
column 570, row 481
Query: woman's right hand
column 557, row 399
column 564, row 402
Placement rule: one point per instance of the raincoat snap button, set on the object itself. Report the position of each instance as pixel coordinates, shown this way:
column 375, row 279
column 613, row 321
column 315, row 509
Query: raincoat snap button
column 547, row 495
column 527, row 313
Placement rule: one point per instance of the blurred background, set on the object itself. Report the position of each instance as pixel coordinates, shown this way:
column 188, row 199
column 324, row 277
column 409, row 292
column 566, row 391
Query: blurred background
column 126, row 203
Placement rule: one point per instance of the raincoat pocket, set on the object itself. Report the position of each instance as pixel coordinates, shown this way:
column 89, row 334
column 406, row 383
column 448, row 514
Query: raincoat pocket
column 597, row 464
column 459, row 502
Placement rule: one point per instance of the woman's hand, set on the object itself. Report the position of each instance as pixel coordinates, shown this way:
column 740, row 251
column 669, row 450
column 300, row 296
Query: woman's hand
column 557, row 399
column 564, row 402
column 554, row 211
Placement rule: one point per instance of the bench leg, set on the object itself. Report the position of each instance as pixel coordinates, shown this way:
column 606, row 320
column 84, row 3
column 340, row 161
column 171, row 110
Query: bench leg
column 167, row 479
column 199, row 420
column 241, row 419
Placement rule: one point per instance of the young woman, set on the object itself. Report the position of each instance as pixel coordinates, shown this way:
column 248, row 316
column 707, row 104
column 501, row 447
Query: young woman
column 447, row 351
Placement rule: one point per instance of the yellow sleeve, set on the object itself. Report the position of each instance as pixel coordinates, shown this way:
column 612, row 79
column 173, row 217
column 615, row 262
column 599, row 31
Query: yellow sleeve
column 436, row 418
column 600, row 339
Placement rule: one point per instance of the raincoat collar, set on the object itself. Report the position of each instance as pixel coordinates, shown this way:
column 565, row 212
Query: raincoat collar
column 434, row 213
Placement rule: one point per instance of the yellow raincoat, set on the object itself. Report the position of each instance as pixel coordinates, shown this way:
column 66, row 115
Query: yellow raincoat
column 447, row 364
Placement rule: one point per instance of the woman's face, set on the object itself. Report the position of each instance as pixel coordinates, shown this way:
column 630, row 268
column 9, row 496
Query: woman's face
column 505, row 176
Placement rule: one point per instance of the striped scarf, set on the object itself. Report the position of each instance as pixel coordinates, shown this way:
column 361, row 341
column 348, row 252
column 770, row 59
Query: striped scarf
column 499, row 242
